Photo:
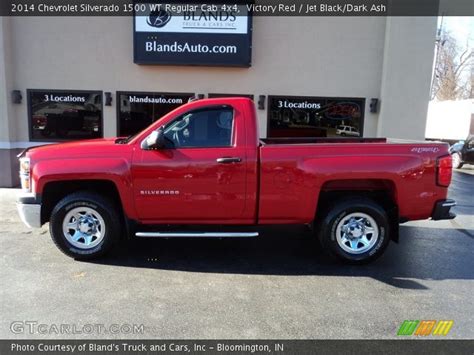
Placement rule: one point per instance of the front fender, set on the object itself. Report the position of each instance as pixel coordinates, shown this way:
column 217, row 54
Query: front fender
column 116, row 170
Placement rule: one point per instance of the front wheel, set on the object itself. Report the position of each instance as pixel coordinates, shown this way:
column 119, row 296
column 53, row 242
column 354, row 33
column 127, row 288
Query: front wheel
column 355, row 230
column 457, row 161
column 84, row 225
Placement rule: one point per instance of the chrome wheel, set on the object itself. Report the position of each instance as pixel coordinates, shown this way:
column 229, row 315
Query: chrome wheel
column 83, row 227
column 456, row 160
column 357, row 233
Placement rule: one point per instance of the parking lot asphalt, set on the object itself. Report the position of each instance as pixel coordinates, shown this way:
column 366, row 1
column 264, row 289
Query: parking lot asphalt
column 277, row 286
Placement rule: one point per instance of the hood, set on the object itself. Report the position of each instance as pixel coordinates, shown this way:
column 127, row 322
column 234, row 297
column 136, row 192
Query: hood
column 456, row 147
column 85, row 148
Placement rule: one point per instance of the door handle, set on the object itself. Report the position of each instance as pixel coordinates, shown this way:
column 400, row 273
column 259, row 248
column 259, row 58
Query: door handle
column 228, row 160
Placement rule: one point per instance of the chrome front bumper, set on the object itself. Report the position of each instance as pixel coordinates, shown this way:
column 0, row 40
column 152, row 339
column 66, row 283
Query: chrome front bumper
column 30, row 214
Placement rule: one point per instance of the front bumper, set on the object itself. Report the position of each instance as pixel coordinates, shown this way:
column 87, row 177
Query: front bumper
column 30, row 214
column 29, row 209
column 442, row 210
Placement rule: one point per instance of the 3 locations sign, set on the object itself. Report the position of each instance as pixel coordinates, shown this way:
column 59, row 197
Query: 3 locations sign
column 192, row 34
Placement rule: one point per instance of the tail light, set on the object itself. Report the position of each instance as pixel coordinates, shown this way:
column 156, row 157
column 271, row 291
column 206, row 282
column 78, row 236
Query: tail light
column 444, row 169
column 40, row 120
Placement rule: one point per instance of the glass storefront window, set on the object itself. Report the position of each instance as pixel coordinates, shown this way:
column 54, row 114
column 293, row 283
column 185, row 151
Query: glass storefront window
column 56, row 115
column 304, row 116
column 137, row 110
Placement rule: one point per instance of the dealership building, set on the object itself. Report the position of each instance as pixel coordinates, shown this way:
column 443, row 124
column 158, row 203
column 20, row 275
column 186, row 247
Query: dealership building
column 68, row 78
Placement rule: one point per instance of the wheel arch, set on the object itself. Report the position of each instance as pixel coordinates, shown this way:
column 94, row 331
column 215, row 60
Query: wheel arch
column 381, row 191
column 54, row 191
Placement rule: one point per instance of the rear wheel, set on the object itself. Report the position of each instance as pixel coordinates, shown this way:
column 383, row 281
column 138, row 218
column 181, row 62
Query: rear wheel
column 457, row 161
column 84, row 225
column 355, row 230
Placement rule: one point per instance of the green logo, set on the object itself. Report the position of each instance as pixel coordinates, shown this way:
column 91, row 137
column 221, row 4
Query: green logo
column 425, row 327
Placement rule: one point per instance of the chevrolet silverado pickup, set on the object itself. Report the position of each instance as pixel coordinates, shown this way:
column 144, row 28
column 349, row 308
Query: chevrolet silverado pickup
column 202, row 171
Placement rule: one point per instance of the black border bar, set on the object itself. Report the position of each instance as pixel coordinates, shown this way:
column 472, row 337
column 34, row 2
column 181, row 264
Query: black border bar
column 259, row 7
column 247, row 346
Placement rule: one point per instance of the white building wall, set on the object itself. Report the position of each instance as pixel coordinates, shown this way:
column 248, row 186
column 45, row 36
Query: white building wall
column 311, row 56
column 366, row 57
column 449, row 120
column 406, row 77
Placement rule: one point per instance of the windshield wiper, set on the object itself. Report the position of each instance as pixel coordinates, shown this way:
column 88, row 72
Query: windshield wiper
column 124, row 140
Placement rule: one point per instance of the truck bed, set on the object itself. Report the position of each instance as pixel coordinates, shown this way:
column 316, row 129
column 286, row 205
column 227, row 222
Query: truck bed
column 315, row 140
column 301, row 168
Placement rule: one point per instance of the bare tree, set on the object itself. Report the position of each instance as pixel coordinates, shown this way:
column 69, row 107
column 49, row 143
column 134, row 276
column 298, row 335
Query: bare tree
column 452, row 77
column 471, row 96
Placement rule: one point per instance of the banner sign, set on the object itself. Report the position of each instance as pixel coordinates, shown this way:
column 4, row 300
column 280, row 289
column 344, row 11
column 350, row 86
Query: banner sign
column 192, row 34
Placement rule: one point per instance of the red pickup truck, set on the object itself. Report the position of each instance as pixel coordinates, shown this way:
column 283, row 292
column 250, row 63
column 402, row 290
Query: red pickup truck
column 202, row 171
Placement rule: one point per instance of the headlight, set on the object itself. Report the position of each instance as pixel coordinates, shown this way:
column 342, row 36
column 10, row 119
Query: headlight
column 25, row 174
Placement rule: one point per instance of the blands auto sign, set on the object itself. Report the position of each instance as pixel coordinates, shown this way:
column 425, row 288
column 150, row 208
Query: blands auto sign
column 192, row 34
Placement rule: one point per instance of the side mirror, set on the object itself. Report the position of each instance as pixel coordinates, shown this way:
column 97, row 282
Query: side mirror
column 155, row 140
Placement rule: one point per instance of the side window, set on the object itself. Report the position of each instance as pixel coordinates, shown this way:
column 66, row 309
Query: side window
column 209, row 127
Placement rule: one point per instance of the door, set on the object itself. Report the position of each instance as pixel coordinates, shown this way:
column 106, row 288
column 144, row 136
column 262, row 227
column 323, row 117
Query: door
column 200, row 177
column 469, row 150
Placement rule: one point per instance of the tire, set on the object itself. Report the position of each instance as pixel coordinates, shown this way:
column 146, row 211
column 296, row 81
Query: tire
column 355, row 215
column 94, row 225
column 457, row 161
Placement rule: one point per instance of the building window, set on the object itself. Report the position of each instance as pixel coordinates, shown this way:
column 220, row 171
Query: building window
column 202, row 128
column 57, row 115
column 304, row 116
column 137, row 110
